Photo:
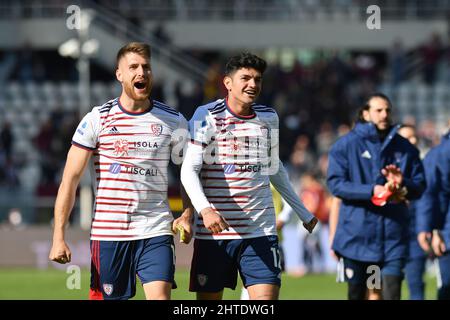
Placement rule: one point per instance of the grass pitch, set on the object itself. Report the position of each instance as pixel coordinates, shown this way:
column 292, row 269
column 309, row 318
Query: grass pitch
column 51, row 284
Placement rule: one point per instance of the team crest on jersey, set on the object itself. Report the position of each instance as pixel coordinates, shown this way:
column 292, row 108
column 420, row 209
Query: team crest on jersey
column 202, row 278
column 108, row 288
column 156, row 129
column 121, row 147
column 235, row 146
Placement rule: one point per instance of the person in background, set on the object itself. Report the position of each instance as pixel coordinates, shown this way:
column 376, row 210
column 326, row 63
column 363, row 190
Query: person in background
column 434, row 212
column 130, row 140
column 374, row 171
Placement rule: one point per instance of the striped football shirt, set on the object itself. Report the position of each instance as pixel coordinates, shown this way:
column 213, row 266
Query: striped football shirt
column 131, row 152
column 234, row 175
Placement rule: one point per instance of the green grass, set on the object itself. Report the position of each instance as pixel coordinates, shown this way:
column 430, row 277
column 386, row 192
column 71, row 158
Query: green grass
column 50, row 284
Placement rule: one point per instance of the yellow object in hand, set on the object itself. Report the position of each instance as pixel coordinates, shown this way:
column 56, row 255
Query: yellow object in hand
column 182, row 235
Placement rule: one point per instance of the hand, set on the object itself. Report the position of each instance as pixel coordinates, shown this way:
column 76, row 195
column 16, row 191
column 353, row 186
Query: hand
column 334, row 255
column 424, row 239
column 393, row 174
column 399, row 195
column 437, row 243
column 213, row 221
column 310, row 225
column 185, row 220
column 60, row 252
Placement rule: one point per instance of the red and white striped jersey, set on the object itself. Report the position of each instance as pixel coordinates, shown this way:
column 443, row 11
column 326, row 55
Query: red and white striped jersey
column 131, row 152
column 234, row 176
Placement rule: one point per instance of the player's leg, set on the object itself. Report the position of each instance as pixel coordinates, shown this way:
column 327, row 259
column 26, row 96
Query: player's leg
column 157, row 290
column 392, row 276
column 444, row 273
column 414, row 269
column 260, row 267
column 112, row 270
column 213, row 268
column 155, row 266
column 355, row 273
column 374, row 294
column 263, row 292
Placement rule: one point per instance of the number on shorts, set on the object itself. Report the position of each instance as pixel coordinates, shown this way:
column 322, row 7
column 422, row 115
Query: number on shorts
column 276, row 260
column 173, row 253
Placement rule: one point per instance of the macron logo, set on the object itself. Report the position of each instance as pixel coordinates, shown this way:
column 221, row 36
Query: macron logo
column 113, row 130
column 366, row 155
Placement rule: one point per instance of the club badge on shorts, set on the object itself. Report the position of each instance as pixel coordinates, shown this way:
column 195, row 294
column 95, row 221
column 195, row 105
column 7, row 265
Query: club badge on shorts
column 349, row 273
column 202, row 278
column 108, row 288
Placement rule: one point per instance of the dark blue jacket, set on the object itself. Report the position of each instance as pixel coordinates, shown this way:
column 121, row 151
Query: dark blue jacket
column 431, row 207
column 433, row 210
column 444, row 173
column 366, row 232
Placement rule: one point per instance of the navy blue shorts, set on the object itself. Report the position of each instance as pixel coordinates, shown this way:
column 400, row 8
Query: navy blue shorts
column 357, row 272
column 215, row 263
column 115, row 264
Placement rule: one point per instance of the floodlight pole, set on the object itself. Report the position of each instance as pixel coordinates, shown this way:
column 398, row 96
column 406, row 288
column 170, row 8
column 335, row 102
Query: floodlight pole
column 86, row 195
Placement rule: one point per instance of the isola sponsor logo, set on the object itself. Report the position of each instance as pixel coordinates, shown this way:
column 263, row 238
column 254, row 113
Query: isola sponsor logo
column 114, row 168
column 251, row 167
column 145, row 144
column 142, row 171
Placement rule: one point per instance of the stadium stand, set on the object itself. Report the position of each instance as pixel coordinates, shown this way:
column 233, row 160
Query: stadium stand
column 312, row 88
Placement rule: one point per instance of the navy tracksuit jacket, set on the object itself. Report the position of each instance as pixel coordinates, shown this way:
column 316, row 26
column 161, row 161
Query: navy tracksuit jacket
column 366, row 232
column 433, row 208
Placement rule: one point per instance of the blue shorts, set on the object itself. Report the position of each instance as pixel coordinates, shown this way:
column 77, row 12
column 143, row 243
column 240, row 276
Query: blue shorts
column 357, row 272
column 215, row 263
column 115, row 264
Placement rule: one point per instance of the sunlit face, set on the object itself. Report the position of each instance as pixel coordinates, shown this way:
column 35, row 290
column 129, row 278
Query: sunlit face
column 379, row 113
column 408, row 133
column 244, row 85
column 135, row 74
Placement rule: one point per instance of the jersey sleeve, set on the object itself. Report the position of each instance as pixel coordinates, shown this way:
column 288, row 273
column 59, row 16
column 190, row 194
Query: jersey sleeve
column 274, row 141
column 280, row 181
column 86, row 134
column 200, row 127
column 279, row 178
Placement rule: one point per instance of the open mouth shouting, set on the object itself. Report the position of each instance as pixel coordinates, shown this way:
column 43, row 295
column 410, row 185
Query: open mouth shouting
column 141, row 86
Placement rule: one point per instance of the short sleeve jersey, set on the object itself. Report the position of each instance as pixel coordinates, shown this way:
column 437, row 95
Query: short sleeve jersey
column 234, row 174
column 131, row 152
